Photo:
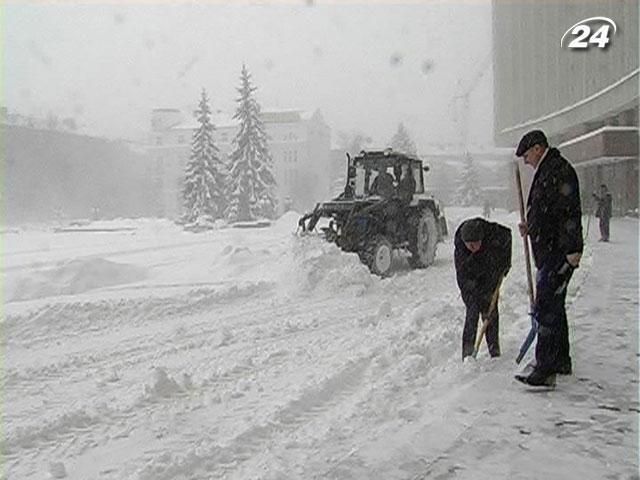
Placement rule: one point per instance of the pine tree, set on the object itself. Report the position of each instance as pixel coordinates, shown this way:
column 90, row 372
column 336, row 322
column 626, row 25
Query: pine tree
column 402, row 142
column 203, row 191
column 468, row 191
column 251, row 189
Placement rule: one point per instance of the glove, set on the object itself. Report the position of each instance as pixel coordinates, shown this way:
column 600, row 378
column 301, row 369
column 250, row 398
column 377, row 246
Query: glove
column 574, row 259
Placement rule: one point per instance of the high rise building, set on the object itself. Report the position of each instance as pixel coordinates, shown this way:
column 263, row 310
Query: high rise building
column 585, row 99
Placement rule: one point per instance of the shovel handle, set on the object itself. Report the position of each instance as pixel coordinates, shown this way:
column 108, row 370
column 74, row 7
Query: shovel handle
column 486, row 318
column 525, row 239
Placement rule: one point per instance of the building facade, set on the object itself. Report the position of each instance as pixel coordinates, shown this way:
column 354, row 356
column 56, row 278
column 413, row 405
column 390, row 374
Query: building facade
column 585, row 99
column 54, row 175
column 299, row 143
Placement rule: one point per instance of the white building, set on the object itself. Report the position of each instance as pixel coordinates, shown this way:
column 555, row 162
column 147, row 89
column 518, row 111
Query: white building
column 299, row 143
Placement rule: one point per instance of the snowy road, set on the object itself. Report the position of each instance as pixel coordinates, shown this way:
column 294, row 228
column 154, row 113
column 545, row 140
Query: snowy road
column 257, row 355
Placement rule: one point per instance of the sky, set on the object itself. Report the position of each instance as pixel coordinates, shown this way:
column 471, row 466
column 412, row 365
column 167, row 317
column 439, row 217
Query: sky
column 367, row 67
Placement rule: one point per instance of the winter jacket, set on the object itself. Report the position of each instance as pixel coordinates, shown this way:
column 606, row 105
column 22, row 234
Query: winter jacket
column 406, row 188
column 383, row 185
column 478, row 273
column 604, row 206
column 554, row 215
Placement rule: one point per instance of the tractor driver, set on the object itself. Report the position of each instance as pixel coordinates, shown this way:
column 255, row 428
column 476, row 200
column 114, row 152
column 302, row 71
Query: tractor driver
column 383, row 184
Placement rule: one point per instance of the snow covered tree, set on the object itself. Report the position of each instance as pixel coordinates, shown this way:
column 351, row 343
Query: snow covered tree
column 204, row 182
column 251, row 187
column 468, row 191
column 402, row 142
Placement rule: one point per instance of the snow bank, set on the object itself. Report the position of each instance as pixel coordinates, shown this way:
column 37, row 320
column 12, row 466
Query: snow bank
column 75, row 276
column 287, row 222
column 32, row 435
column 320, row 266
column 163, row 385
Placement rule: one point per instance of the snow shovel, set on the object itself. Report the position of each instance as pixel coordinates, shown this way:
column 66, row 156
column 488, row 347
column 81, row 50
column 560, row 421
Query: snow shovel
column 527, row 257
column 486, row 318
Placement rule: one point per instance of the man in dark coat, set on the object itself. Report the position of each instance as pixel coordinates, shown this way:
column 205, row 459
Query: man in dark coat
column 482, row 258
column 604, row 211
column 383, row 184
column 553, row 224
column 406, row 185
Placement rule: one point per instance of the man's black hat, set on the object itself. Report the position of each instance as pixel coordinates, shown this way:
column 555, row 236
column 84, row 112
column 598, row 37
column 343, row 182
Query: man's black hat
column 534, row 137
column 472, row 230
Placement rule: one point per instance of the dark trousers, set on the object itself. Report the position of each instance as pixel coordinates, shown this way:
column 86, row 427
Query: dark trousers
column 552, row 347
column 604, row 228
column 471, row 328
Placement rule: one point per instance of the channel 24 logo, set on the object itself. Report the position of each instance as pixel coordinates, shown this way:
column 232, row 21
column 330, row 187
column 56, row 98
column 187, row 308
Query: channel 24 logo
column 585, row 37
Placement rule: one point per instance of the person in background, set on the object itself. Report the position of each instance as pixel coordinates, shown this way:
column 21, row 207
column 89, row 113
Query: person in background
column 486, row 209
column 482, row 258
column 554, row 226
column 603, row 211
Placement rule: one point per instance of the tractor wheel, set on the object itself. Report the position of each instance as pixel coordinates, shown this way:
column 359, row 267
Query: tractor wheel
column 424, row 241
column 378, row 256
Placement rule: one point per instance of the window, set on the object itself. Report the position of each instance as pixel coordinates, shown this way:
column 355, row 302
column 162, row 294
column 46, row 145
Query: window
column 158, row 140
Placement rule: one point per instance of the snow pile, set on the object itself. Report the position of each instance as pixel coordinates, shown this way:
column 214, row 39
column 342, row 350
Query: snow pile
column 234, row 256
column 420, row 341
column 57, row 470
column 163, row 385
column 35, row 434
column 384, row 313
column 75, row 276
column 320, row 266
column 288, row 222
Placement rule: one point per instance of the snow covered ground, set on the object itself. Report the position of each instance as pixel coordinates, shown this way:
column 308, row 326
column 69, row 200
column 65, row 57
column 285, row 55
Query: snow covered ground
column 149, row 353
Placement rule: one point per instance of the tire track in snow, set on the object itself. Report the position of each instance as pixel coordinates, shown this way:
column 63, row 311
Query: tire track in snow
column 288, row 418
column 263, row 441
column 76, row 318
column 218, row 461
column 139, row 352
column 27, row 436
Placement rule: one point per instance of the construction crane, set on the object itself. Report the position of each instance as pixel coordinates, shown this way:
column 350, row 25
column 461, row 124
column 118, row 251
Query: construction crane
column 460, row 101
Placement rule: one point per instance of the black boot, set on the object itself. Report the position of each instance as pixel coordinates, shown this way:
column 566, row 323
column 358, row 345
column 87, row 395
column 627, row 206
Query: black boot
column 564, row 367
column 538, row 379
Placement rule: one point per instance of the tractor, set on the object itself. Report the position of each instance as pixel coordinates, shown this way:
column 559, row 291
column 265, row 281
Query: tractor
column 384, row 207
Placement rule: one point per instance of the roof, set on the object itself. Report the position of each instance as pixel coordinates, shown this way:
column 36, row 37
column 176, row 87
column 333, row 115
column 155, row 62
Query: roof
column 219, row 120
column 388, row 157
column 225, row 120
column 289, row 115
